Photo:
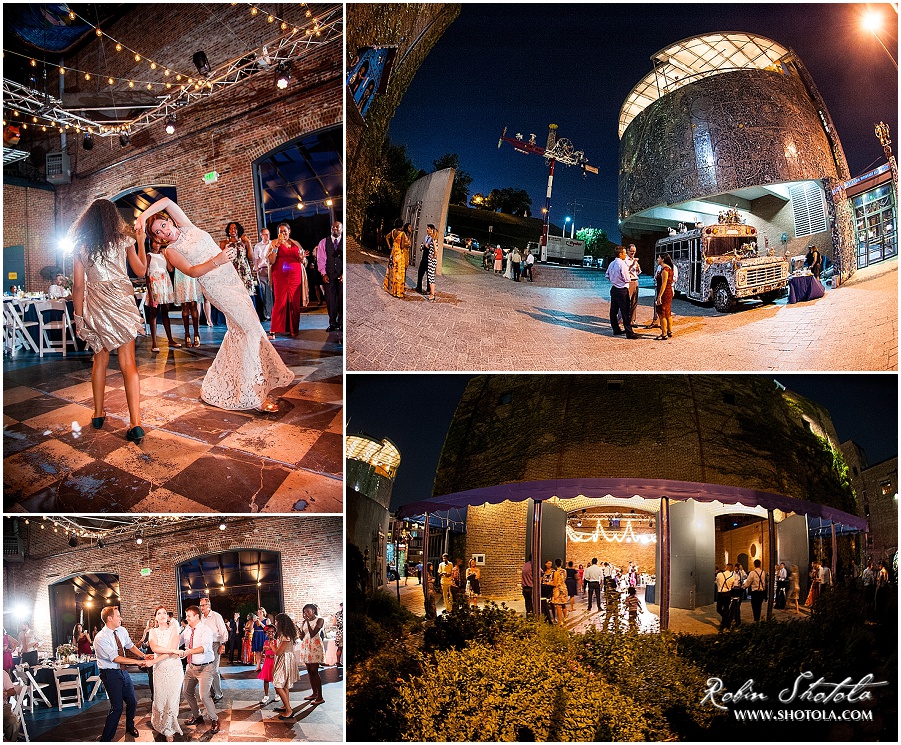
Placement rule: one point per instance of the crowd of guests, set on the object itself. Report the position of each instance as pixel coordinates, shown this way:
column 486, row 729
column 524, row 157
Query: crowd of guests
column 512, row 263
column 459, row 585
column 182, row 659
column 280, row 276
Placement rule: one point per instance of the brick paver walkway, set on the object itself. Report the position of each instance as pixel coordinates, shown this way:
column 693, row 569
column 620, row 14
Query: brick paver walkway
column 485, row 323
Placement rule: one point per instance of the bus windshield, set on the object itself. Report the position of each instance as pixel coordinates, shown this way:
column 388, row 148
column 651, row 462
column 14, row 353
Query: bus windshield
column 722, row 245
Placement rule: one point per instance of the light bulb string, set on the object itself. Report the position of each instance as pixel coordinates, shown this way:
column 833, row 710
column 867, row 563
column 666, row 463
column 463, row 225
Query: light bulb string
column 289, row 28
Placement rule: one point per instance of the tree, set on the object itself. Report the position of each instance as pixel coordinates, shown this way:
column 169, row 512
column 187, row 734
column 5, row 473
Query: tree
column 513, row 201
column 594, row 239
column 479, row 201
column 462, row 180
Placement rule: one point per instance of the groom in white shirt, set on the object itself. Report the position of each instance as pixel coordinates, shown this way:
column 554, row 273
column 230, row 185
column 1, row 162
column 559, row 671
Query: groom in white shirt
column 199, row 650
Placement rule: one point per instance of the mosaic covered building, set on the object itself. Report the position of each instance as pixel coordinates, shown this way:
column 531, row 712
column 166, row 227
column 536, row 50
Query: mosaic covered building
column 734, row 120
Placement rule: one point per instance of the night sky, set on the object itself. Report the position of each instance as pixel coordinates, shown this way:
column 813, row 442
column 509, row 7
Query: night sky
column 414, row 411
column 526, row 66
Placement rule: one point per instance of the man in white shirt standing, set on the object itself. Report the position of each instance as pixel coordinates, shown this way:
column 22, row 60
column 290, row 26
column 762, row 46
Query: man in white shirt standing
column 593, row 576
column 634, row 272
column 261, row 270
column 216, row 624
column 199, row 650
column 618, row 274
column 109, row 647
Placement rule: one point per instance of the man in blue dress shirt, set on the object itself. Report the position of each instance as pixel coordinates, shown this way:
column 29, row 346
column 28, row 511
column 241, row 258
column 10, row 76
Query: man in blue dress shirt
column 109, row 646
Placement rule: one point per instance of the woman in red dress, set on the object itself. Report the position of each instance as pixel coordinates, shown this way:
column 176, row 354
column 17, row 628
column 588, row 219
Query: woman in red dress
column 289, row 283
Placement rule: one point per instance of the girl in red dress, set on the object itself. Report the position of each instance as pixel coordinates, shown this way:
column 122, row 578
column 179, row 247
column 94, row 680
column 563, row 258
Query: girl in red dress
column 265, row 673
column 289, row 283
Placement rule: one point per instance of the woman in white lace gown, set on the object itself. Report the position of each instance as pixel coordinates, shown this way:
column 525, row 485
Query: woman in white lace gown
column 247, row 366
column 168, row 675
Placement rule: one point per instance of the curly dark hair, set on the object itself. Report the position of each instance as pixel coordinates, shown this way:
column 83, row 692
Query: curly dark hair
column 238, row 226
column 99, row 231
column 285, row 627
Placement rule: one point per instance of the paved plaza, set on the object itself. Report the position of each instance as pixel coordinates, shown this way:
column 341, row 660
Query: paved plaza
column 484, row 322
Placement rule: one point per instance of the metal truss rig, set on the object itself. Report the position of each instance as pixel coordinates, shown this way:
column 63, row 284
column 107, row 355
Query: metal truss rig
column 265, row 58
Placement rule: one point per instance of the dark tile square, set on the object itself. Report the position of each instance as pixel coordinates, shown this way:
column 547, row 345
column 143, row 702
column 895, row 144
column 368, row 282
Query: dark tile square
column 209, row 425
column 304, row 413
column 36, row 406
column 98, row 443
column 18, row 437
column 229, row 481
column 98, row 487
column 326, row 455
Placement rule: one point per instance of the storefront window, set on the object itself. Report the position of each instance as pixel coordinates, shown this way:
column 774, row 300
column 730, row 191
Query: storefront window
column 874, row 222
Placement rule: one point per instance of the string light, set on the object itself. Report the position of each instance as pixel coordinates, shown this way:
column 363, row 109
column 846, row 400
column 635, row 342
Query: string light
column 118, row 47
column 627, row 535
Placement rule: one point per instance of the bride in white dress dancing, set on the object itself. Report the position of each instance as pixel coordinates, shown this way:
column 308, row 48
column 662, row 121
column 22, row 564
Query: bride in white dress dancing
column 168, row 675
column 247, row 366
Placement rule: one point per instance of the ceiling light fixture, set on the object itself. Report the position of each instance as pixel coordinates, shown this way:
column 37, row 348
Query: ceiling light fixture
column 282, row 74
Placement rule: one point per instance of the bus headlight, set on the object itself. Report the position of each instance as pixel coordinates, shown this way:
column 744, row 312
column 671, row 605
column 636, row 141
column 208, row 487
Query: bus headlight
column 741, row 279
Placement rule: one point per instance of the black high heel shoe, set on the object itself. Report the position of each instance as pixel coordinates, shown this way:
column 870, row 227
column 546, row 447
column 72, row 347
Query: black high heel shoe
column 135, row 435
column 97, row 421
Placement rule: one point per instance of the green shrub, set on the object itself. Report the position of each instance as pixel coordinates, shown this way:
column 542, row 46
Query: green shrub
column 372, row 686
column 385, row 622
column 524, row 687
column 665, row 686
column 467, row 624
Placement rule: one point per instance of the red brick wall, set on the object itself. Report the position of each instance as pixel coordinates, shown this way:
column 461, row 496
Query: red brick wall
column 224, row 132
column 29, row 219
column 311, row 564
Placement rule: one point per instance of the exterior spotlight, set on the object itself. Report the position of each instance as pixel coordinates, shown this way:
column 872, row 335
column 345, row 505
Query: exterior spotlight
column 88, row 142
column 282, row 74
column 202, row 63
column 170, row 124
column 73, row 540
column 139, row 539
column 222, row 525
column 124, row 139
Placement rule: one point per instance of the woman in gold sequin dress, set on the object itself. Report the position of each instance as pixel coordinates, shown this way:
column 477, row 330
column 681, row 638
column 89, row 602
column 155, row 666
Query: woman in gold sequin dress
column 106, row 315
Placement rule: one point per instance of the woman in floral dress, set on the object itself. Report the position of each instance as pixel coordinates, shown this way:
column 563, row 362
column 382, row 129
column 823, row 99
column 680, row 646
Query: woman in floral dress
column 560, row 597
column 238, row 242
column 396, row 275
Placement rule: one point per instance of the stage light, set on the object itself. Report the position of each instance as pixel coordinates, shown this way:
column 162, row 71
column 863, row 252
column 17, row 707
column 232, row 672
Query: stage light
column 300, row 205
column 100, row 543
column 222, row 525
column 22, row 611
column 124, row 139
column 73, row 540
column 282, row 74
column 170, row 124
column 139, row 538
column 202, row 63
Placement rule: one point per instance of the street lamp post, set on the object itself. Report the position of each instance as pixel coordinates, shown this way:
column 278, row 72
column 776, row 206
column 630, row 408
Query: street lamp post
column 565, row 224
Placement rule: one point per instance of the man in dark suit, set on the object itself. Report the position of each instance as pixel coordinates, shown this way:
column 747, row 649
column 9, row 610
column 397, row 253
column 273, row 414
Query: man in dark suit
column 330, row 262
column 235, row 629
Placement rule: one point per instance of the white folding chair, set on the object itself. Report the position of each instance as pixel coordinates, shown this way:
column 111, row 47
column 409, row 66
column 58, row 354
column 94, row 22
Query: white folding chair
column 18, row 707
column 35, row 689
column 68, row 679
column 98, row 684
column 16, row 327
column 63, row 325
